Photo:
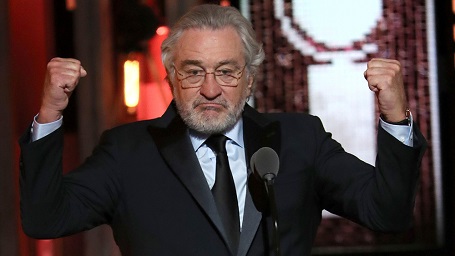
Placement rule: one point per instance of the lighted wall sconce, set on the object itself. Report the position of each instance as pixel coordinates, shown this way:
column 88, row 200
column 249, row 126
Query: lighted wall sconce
column 71, row 5
column 131, row 84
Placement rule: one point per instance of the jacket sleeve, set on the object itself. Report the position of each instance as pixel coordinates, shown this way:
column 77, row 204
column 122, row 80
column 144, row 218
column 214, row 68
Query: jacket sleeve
column 54, row 205
column 380, row 197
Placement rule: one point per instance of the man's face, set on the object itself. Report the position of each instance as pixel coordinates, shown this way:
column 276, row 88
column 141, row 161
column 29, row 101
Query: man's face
column 210, row 108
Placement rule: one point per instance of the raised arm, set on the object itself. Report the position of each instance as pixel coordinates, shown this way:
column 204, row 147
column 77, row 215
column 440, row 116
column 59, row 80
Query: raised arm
column 385, row 79
column 62, row 77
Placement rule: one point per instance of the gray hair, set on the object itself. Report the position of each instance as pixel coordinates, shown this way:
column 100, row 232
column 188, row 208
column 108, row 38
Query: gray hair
column 213, row 16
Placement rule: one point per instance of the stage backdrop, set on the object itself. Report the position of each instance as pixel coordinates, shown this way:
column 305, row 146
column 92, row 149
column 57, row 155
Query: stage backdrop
column 316, row 53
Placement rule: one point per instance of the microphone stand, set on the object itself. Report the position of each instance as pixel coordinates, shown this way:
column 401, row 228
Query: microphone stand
column 268, row 180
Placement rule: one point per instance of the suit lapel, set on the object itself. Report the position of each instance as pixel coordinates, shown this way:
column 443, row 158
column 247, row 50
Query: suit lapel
column 251, row 219
column 174, row 144
column 257, row 132
column 171, row 137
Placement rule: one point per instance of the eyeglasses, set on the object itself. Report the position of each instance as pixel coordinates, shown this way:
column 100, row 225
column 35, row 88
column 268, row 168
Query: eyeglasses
column 194, row 78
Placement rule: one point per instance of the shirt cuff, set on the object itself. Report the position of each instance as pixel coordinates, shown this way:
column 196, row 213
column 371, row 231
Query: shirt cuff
column 403, row 133
column 39, row 131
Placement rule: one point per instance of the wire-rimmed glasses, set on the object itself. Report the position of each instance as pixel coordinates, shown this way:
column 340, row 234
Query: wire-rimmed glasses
column 195, row 78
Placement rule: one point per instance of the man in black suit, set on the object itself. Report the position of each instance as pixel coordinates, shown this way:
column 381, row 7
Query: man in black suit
column 151, row 180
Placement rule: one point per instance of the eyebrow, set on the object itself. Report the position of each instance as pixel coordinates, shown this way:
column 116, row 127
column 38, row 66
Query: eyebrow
column 191, row 62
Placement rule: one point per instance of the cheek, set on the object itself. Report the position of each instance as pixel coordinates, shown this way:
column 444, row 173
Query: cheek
column 183, row 95
column 236, row 96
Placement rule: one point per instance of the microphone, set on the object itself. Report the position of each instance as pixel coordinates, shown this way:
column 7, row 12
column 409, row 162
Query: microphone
column 265, row 163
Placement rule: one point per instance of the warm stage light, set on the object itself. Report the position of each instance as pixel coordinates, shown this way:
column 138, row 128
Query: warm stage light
column 71, row 5
column 161, row 31
column 225, row 3
column 45, row 247
column 131, row 83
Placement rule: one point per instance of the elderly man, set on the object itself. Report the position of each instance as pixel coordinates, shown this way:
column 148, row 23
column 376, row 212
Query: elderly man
column 157, row 183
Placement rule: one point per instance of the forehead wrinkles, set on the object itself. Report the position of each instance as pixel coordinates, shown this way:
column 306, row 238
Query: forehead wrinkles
column 217, row 64
column 207, row 46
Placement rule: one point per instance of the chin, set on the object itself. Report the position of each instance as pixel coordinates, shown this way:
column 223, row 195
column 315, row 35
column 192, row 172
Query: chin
column 209, row 119
column 210, row 123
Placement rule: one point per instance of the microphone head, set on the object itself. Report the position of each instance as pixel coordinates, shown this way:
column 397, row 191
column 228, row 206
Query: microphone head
column 265, row 162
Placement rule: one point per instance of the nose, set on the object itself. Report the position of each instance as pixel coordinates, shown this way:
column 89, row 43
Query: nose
column 210, row 89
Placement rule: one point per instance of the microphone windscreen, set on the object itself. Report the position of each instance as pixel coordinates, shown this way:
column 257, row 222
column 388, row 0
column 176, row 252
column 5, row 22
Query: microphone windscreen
column 265, row 161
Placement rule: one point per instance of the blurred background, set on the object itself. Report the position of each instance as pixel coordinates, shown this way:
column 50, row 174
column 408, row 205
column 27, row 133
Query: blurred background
column 316, row 52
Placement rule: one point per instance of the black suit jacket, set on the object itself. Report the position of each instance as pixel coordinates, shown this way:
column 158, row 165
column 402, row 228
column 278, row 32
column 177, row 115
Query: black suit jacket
column 144, row 180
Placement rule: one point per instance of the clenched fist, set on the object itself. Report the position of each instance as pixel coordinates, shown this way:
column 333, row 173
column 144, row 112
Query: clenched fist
column 385, row 79
column 62, row 77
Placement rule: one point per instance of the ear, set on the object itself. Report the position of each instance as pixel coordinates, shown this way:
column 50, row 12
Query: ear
column 249, row 88
column 250, row 82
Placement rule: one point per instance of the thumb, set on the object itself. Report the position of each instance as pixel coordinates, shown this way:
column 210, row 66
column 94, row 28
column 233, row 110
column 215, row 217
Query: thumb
column 83, row 72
